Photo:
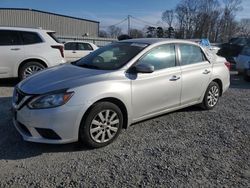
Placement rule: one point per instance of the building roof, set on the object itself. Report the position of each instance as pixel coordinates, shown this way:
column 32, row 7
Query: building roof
column 34, row 10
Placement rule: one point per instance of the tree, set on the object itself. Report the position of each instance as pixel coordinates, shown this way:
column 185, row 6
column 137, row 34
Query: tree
column 212, row 19
column 228, row 26
column 168, row 17
column 244, row 27
column 159, row 32
column 171, row 32
column 103, row 34
column 114, row 31
column 151, row 32
column 136, row 33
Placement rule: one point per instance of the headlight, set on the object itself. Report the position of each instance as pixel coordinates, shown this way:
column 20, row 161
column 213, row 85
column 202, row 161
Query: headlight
column 50, row 100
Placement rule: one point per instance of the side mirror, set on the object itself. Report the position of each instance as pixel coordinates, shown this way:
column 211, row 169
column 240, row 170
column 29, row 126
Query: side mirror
column 143, row 68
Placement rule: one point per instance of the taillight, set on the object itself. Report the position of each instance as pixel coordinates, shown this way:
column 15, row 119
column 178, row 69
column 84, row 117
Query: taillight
column 228, row 65
column 60, row 48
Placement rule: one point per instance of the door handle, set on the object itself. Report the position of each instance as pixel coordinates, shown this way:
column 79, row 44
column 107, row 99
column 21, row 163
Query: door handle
column 15, row 49
column 206, row 71
column 174, row 78
column 74, row 52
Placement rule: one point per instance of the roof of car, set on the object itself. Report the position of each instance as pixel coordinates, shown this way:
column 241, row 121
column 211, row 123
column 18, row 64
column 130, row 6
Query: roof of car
column 156, row 40
column 78, row 41
column 25, row 29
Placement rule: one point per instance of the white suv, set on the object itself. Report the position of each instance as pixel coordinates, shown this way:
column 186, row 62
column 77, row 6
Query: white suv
column 24, row 51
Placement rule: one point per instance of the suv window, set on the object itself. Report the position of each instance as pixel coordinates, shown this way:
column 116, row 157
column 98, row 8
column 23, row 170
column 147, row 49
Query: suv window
column 53, row 36
column 8, row 38
column 30, row 37
column 70, row 46
column 160, row 57
column 191, row 54
column 84, row 46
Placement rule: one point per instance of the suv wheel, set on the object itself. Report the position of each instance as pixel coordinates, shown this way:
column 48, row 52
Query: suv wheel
column 211, row 97
column 30, row 68
column 102, row 125
column 246, row 77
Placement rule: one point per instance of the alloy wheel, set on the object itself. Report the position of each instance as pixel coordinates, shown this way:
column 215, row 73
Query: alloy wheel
column 104, row 126
column 31, row 70
column 213, row 96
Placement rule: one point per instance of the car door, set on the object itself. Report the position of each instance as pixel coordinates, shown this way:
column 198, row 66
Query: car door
column 11, row 52
column 70, row 51
column 196, row 72
column 83, row 49
column 157, row 91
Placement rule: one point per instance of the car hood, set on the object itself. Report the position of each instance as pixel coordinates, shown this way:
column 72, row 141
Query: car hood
column 60, row 77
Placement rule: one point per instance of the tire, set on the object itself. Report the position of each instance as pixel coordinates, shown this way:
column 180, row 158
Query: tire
column 212, row 96
column 98, row 131
column 30, row 68
column 246, row 77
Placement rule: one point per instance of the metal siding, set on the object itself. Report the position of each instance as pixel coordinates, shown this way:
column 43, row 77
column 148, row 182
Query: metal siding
column 64, row 26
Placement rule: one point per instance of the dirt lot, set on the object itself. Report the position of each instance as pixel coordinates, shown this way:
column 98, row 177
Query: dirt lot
column 187, row 148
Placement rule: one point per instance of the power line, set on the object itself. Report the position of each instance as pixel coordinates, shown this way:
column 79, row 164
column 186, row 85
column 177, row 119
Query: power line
column 129, row 20
column 145, row 22
column 116, row 23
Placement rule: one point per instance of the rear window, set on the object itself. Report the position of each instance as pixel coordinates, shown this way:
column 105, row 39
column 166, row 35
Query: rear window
column 8, row 38
column 52, row 35
column 30, row 37
column 191, row 54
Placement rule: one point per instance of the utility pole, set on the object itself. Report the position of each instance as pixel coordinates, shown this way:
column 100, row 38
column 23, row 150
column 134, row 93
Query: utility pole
column 129, row 25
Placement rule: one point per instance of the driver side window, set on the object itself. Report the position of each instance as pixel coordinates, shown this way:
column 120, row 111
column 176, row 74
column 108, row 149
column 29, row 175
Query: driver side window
column 160, row 57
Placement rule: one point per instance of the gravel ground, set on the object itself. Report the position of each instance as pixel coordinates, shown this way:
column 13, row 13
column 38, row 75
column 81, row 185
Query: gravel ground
column 187, row 148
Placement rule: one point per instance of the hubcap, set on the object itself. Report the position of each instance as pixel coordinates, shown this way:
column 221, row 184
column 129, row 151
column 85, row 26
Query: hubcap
column 104, row 126
column 213, row 96
column 31, row 70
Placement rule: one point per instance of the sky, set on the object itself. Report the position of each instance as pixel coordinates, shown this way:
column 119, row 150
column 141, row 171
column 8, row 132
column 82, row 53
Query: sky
column 109, row 12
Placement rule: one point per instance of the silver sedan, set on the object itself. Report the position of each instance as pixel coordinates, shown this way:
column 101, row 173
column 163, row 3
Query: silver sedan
column 92, row 99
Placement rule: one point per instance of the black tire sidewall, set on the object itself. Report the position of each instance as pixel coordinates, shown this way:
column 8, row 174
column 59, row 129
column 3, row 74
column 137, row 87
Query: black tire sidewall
column 246, row 77
column 84, row 130
column 22, row 69
column 205, row 101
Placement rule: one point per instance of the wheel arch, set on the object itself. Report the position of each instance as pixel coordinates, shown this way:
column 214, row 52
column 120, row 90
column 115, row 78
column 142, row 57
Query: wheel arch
column 30, row 60
column 219, row 82
column 115, row 101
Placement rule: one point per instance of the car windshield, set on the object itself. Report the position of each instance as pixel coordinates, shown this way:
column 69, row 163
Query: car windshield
column 111, row 57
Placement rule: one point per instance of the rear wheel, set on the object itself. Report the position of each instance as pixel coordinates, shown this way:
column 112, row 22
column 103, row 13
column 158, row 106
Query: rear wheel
column 30, row 68
column 246, row 77
column 211, row 97
column 102, row 125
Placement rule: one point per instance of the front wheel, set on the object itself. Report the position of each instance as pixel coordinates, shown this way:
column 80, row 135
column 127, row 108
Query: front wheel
column 211, row 97
column 102, row 125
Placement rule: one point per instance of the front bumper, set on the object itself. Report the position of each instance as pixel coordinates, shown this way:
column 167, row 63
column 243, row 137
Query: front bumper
column 53, row 126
